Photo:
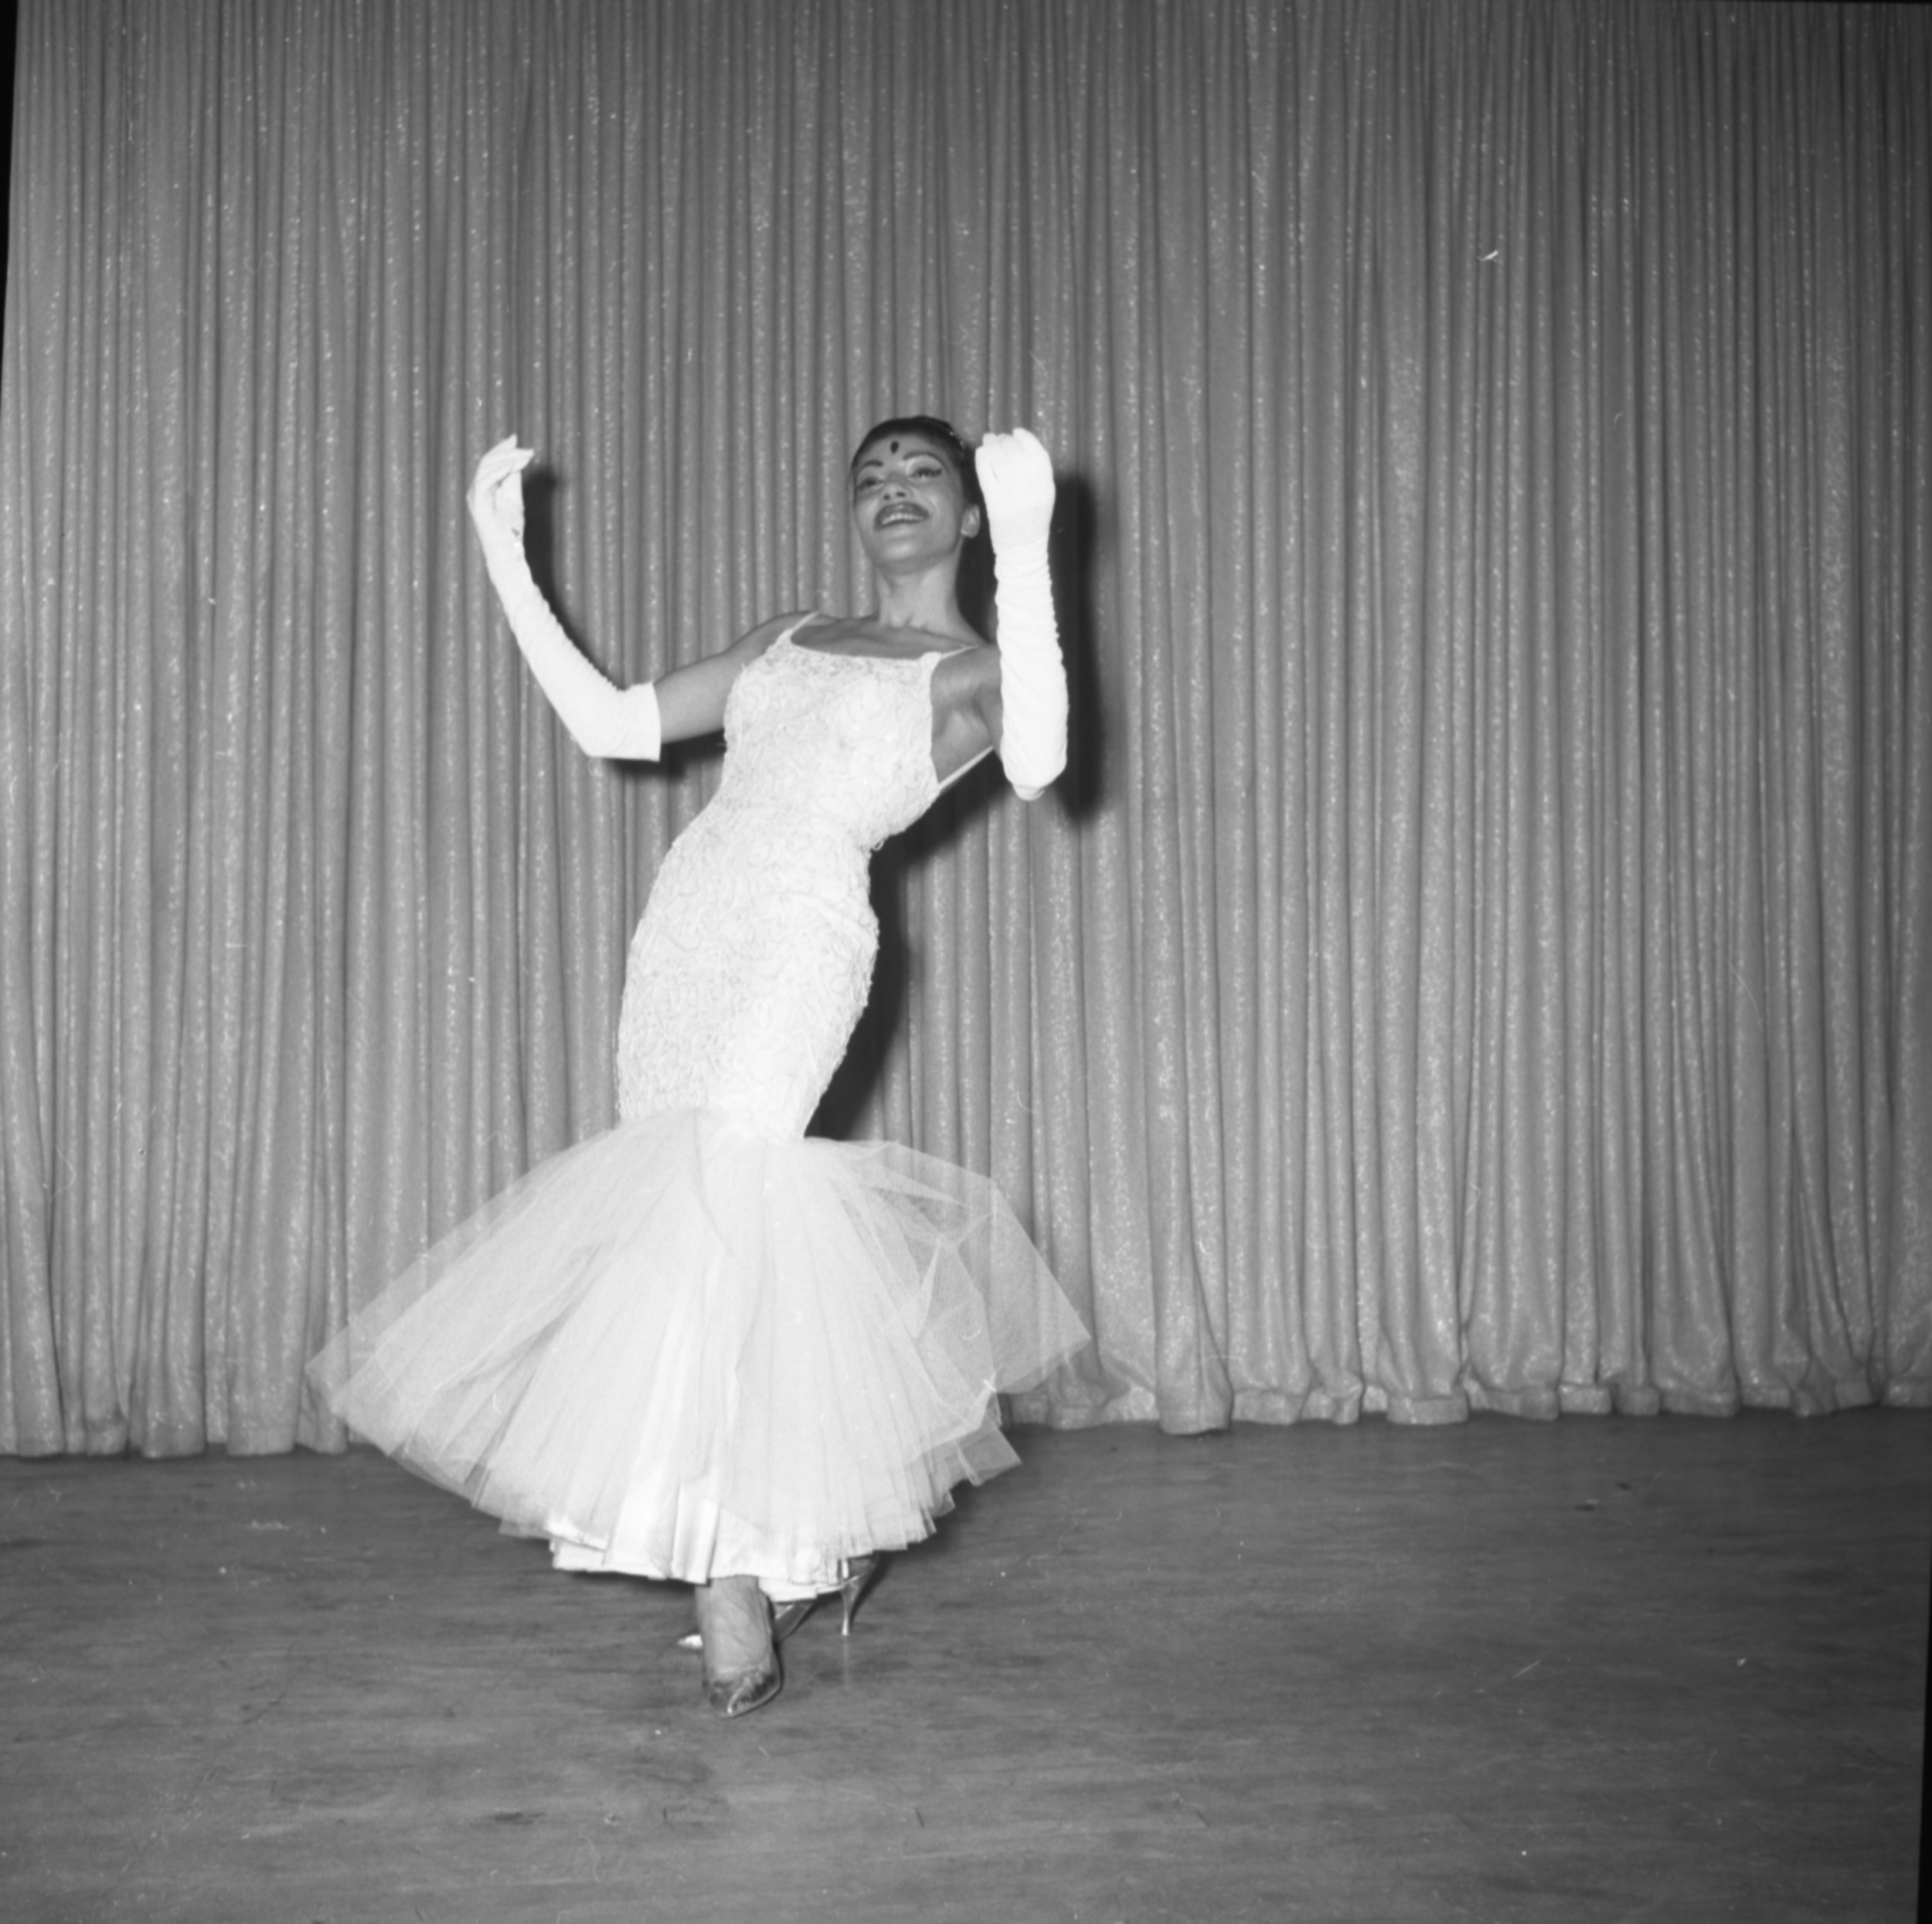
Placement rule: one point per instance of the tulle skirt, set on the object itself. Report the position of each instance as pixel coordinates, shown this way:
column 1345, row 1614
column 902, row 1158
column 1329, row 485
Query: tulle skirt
column 681, row 1349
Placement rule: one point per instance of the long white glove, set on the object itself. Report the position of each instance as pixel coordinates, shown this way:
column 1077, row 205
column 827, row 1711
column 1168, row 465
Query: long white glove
column 1016, row 479
column 620, row 724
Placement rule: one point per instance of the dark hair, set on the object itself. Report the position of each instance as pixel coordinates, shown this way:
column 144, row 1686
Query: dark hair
column 931, row 428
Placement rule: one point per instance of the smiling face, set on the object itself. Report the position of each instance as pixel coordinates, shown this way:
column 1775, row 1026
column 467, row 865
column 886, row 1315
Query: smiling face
column 909, row 499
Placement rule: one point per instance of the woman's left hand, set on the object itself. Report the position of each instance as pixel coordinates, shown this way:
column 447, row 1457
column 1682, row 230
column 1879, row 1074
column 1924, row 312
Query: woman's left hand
column 1016, row 478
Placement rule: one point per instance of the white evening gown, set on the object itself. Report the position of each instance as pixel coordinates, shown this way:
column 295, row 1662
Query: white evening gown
column 701, row 1344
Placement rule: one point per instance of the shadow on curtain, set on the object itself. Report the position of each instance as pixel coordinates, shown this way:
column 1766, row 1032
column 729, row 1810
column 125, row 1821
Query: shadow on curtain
column 1482, row 957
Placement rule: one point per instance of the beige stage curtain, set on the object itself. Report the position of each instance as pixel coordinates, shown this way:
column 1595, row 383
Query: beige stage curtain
column 1482, row 957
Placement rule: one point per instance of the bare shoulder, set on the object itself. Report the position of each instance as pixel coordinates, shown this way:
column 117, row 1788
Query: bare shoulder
column 966, row 674
column 691, row 700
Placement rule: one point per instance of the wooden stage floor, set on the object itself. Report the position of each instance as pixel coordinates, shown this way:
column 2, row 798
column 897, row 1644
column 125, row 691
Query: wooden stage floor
column 1602, row 1669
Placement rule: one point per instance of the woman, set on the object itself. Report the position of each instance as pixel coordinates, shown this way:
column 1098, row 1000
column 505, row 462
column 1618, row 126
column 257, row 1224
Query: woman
column 701, row 1345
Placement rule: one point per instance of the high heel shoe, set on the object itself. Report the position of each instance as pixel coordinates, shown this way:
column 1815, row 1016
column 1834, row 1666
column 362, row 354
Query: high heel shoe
column 741, row 1672
column 859, row 1573
column 787, row 1617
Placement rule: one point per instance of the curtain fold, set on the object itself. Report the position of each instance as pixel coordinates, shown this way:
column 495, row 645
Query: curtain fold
column 1480, row 957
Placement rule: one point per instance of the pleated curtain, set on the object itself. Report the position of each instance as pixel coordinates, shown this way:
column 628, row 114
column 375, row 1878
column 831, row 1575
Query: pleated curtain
column 1481, row 956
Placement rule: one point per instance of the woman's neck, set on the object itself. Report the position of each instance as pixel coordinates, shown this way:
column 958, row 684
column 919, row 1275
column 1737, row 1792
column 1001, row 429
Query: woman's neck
column 927, row 602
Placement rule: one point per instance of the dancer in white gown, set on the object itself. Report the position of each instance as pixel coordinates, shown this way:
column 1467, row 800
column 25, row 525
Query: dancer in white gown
column 703, row 1345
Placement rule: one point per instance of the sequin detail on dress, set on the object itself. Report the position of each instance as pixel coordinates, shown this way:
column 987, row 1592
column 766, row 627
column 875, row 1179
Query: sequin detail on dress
column 752, row 961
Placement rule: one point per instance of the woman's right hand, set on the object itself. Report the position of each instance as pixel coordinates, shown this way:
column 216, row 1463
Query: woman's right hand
column 496, row 494
column 622, row 724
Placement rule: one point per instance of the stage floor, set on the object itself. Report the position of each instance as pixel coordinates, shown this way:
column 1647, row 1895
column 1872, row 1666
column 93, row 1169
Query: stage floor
column 1601, row 1669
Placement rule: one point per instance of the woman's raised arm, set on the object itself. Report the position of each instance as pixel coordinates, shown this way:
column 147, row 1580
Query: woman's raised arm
column 627, row 724
column 1016, row 479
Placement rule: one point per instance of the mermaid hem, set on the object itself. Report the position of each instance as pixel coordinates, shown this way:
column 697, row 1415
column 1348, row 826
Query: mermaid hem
column 683, row 1349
